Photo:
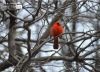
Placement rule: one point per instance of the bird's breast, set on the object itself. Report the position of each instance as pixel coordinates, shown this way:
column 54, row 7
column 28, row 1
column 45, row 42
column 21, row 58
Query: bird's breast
column 56, row 30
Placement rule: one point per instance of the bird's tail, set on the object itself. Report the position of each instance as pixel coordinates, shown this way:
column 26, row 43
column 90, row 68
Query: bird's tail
column 55, row 46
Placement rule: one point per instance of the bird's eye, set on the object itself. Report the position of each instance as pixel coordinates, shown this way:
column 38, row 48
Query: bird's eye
column 58, row 24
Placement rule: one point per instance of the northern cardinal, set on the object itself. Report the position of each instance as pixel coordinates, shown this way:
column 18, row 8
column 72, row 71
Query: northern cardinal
column 55, row 31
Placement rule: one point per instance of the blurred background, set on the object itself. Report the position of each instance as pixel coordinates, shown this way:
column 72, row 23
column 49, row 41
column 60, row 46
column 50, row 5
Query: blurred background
column 26, row 45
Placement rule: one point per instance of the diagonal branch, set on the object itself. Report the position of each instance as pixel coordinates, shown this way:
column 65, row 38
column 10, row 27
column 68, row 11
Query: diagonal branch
column 37, row 48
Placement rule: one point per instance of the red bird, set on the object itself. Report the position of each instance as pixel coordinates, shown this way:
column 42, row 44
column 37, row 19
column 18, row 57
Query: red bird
column 55, row 31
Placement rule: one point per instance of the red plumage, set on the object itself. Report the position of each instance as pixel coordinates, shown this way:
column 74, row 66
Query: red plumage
column 55, row 31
